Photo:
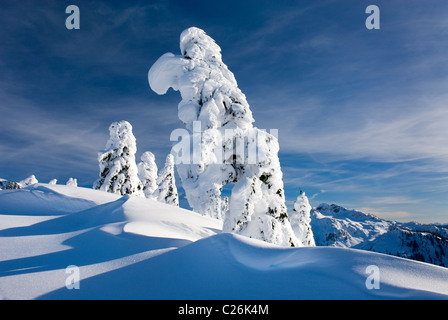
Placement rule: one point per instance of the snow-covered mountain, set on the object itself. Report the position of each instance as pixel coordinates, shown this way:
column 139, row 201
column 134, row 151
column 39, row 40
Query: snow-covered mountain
column 129, row 247
column 336, row 226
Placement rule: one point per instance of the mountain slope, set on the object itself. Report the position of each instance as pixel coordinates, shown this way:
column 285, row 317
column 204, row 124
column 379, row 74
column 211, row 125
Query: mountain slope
column 338, row 227
column 136, row 248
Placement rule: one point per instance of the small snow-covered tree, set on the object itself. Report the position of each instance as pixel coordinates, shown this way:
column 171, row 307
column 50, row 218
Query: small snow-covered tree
column 301, row 220
column 9, row 185
column 167, row 190
column 147, row 172
column 28, row 181
column 53, row 181
column 73, row 182
column 118, row 170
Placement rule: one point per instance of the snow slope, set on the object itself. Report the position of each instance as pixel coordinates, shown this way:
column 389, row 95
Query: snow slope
column 136, row 248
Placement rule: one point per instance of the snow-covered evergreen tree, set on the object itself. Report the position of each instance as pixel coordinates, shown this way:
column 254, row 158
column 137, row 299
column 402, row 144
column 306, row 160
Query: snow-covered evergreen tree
column 28, row 181
column 53, row 181
column 118, row 170
column 300, row 220
column 73, row 182
column 167, row 191
column 147, row 172
column 9, row 185
column 226, row 140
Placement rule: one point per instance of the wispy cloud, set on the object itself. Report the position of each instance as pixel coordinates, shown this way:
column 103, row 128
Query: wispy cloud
column 34, row 138
column 388, row 215
column 393, row 200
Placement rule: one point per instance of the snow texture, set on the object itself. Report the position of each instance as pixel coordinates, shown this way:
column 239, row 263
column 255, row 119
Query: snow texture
column 118, row 170
column 136, row 248
column 226, row 148
column 147, row 173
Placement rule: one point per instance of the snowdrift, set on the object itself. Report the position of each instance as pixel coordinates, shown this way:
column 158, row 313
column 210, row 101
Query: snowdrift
column 136, row 248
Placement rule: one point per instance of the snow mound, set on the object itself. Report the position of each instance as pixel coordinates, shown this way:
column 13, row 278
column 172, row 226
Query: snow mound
column 229, row 266
column 136, row 248
column 39, row 199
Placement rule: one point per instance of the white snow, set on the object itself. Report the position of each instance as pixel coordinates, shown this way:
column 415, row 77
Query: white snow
column 165, row 73
column 28, row 181
column 136, row 248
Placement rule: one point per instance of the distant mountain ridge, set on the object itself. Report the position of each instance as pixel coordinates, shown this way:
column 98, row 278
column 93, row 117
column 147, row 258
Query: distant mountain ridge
column 337, row 226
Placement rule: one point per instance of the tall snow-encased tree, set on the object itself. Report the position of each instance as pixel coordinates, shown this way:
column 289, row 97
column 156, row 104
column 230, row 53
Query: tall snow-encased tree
column 300, row 220
column 147, row 172
column 167, row 191
column 118, row 170
column 225, row 139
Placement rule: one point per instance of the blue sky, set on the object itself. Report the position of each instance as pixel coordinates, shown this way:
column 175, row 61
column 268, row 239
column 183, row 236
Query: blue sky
column 362, row 114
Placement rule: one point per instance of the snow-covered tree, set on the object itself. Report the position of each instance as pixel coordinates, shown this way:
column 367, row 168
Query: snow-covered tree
column 118, row 170
column 300, row 220
column 220, row 122
column 28, row 181
column 167, row 191
column 147, row 172
column 53, row 181
column 9, row 185
column 73, row 182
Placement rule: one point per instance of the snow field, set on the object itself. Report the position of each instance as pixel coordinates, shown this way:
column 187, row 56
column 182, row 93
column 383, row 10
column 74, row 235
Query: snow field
column 136, row 248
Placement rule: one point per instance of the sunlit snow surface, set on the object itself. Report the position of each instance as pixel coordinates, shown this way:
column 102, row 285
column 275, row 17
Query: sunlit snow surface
column 136, row 248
